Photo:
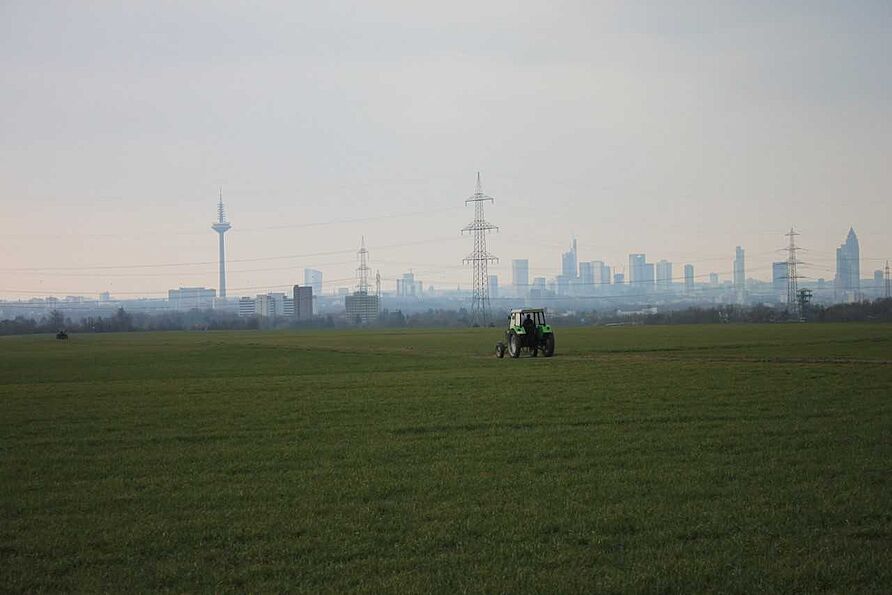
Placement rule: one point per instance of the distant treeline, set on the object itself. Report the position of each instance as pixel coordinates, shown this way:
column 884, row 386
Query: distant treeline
column 122, row 321
column 868, row 311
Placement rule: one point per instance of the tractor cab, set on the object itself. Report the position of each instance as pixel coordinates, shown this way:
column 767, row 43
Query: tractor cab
column 517, row 318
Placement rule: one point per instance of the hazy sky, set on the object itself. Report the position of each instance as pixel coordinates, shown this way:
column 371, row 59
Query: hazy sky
column 676, row 129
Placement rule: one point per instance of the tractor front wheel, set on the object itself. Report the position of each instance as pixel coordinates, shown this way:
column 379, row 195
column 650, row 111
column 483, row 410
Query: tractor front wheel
column 500, row 350
column 549, row 345
column 514, row 345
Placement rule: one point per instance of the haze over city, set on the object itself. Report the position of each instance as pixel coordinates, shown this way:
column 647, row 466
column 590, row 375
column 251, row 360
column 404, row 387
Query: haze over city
column 679, row 130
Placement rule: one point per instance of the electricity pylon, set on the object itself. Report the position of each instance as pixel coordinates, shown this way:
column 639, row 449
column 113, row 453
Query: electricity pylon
column 480, row 257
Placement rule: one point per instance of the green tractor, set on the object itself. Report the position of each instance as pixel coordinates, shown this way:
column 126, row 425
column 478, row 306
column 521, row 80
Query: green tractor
column 527, row 330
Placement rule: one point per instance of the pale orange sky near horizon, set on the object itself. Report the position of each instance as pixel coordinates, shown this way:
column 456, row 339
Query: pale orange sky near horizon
column 676, row 129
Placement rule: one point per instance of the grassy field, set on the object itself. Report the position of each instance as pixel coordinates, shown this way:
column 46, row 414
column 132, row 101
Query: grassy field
column 732, row 458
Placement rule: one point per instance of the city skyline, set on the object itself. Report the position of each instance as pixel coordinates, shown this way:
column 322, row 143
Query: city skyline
column 558, row 272
column 679, row 130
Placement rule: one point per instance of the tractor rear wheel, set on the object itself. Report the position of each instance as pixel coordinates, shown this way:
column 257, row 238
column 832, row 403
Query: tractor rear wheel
column 514, row 345
column 549, row 345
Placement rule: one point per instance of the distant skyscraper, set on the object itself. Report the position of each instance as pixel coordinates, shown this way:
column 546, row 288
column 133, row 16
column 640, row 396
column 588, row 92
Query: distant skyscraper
column 303, row 302
column 664, row 275
column 779, row 276
column 221, row 226
column 602, row 274
column 569, row 261
column 739, row 270
column 191, row 298
column 587, row 277
column 619, row 278
column 493, row 286
column 520, row 276
column 313, row 278
column 689, row 278
column 406, row 286
column 637, row 264
column 649, row 274
column 714, row 279
column 848, row 268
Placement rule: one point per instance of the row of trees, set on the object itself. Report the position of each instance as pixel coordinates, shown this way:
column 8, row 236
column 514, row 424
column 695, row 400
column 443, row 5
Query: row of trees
column 122, row 321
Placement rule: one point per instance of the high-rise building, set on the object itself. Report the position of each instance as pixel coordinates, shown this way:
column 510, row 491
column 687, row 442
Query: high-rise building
column 246, row 307
column 601, row 274
column 848, row 268
column 587, row 277
column 280, row 305
column 562, row 284
column 664, row 275
column 361, row 307
column 406, row 286
column 739, row 270
column 637, row 264
column 714, row 279
column 191, row 298
column 520, row 276
column 649, row 274
column 265, row 306
column 689, row 278
column 493, row 286
column 779, row 274
column 303, row 302
column 313, row 278
column 569, row 261
column 619, row 278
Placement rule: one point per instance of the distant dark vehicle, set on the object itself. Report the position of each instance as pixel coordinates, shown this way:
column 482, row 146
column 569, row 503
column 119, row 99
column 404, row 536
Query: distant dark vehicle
column 62, row 335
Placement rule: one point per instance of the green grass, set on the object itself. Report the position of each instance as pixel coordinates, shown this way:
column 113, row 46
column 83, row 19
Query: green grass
column 707, row 458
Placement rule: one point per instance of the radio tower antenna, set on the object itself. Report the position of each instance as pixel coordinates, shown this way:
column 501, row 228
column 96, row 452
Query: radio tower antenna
column 792, row 275
column 362, row 272
column 480, row 257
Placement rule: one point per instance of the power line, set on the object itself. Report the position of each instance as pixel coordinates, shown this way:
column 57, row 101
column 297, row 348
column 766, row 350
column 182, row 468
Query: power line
column 209, row 262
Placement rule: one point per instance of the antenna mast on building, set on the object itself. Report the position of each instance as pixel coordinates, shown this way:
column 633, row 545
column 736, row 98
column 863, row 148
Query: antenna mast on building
column 362, row 272
column 479, row 258
column 792, row 277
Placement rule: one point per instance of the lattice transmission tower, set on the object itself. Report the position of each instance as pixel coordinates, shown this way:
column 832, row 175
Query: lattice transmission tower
column 363, row 270
column 793, row 301
column 480, row 257
column 888, row 281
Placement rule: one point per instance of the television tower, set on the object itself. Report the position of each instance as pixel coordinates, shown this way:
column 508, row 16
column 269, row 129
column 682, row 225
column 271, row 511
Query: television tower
column 479, row 258
column 221, row 226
